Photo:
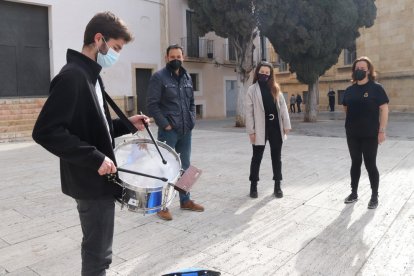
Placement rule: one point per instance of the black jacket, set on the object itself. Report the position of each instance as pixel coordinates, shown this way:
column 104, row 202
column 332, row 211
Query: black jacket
column 72, row 127
column 171, row 102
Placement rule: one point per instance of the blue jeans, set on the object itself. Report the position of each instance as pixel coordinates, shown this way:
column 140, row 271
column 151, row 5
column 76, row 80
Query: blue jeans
column 182, row 145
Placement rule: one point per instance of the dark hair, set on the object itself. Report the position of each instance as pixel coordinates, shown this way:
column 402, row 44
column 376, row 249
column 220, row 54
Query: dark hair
column 109, row 25
column 371, row 70
column 271, row 82
column 174, row 46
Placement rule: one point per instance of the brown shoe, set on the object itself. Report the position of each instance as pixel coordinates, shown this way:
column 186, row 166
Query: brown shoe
column 164, row 214
column 192, row 206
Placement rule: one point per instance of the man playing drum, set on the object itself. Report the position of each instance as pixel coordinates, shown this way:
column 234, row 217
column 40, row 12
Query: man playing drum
column 76, row 126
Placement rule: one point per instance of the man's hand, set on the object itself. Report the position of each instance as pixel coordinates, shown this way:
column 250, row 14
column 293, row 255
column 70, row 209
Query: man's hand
column 169, row 127
column 136, row 120
column 107, row 167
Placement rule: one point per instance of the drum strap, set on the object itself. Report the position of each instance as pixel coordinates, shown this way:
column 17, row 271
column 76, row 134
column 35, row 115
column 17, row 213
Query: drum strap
column 114, row 178
column 125, row 120
column 117, row 110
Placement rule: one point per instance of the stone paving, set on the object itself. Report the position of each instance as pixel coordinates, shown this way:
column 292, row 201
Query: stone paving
column 308, row 232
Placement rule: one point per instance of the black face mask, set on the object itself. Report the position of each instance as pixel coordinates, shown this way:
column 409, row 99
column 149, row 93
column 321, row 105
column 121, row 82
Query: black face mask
column 174, row 64
column 360, row 74
column 262, row 78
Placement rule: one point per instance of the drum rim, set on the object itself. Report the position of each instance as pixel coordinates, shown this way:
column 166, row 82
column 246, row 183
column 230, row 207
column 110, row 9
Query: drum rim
column 160, row 144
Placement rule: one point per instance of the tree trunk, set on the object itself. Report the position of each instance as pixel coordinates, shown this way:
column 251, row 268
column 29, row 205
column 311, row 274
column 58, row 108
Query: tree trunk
column 244, row 65
column 311, row 111
column 241, row 94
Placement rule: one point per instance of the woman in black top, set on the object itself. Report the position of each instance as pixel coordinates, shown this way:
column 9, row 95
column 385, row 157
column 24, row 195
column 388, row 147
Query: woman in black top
column 366, row 107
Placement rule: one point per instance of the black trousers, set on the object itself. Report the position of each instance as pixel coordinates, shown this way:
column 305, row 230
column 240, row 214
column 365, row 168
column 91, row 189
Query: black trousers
column 97, row 222
column 275, row 141
column 292, row 108
column 298, row 105
column 363, row 148
column 332, row 105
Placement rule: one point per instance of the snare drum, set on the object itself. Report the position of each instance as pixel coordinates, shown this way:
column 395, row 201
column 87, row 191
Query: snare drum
column 141, row 193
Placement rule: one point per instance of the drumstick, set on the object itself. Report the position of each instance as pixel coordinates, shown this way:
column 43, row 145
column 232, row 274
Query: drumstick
column 153, row 140
column 142, row 174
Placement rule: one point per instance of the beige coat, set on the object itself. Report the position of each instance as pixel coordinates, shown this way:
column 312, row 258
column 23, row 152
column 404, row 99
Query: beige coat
column 255, row 114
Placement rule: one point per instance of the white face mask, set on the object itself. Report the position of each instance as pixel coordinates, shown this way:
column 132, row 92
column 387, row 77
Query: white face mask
column 108, row 59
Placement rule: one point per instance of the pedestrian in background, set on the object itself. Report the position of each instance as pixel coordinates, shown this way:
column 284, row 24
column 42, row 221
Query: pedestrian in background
column 267, row 119
column 366, row 107
column 299, row 102
column 331, row 99
column 292, row 103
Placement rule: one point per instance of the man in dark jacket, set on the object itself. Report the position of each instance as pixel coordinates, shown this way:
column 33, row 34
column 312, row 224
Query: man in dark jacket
column 170, row 100
column 299, row 102
column 76, row 126
column 331, row 97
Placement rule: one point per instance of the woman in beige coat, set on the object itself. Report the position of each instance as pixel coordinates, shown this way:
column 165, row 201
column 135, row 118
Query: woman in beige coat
column 267, row 119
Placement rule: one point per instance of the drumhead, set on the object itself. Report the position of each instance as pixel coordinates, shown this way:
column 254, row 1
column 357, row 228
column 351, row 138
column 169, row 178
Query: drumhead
column 142, row 156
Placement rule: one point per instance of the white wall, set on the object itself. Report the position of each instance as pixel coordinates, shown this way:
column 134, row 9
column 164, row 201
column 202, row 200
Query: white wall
column 67, row 22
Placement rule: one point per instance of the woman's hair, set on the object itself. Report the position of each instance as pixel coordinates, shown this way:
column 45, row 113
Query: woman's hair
column 271, row 82
column 109, row 25
column 371, row 70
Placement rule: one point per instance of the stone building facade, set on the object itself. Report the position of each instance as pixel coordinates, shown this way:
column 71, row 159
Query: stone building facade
column 28, row 61
column 390, row 46
column 210, row 59
column 34, row 38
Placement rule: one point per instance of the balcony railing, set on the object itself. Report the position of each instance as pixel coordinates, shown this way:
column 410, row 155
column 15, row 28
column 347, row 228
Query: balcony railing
column 195, row 47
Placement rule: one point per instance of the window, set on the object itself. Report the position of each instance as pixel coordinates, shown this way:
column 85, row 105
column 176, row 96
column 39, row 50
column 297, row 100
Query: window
column 340, row 96
column 272, row 56
column 263, row 47
column 210, row 48
column 282, row 65
column 230, row 51
column 199, row 111
column 24, row 50
column 350, row 54
column 195, row 80
column 191, row 42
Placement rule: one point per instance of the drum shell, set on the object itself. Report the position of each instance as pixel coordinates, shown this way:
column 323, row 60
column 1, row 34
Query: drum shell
column 142, row 194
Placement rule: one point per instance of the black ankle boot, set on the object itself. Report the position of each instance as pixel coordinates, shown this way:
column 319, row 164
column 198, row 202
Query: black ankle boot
column 253, row 189
column 373, row 203
column 278, row 192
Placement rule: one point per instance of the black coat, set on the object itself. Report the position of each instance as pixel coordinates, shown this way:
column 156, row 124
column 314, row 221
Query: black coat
column 72, row 127
column 171, row 101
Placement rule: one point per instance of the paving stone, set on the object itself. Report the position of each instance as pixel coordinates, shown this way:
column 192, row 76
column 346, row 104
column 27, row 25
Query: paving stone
column 23, row 254
column 308, row 232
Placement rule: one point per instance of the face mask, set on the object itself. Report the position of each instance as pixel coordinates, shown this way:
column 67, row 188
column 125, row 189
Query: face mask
column 360, row 74
column 174, row 64
column 108, row 59
column 262, row 77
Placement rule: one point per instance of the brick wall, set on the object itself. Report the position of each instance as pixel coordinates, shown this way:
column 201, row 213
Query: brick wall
column 18, row 116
